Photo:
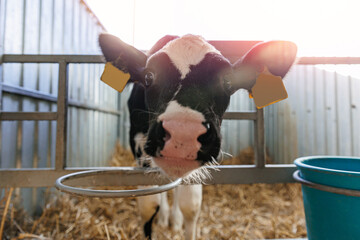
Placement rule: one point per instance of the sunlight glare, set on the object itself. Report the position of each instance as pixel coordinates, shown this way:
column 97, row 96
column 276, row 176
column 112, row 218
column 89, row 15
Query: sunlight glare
column 319, row 28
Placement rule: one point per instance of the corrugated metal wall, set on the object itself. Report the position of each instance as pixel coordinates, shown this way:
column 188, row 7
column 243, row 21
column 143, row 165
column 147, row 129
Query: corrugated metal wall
column 54, row 27
column 238, row 134
column 320, row 117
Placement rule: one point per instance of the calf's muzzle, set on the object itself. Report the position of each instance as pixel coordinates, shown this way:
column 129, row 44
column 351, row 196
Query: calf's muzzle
column 181, row 146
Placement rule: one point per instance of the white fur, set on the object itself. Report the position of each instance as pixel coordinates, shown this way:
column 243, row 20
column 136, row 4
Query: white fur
column 163, row 219
column 140, row 141
column 177, row 218
column 186, row 51
column 187, row 198
column 175, row 111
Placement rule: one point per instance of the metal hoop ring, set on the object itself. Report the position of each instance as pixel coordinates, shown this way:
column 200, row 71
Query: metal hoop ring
column 342, row 191
column 109, row 193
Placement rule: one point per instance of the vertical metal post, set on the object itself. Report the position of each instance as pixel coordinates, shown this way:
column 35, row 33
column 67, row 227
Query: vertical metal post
column 2, row 42
column 118, row 117
column 62, row 108
column 259, row 139
column 2, row 39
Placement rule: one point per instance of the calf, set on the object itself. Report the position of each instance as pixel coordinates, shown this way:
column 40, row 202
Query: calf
column 182, row 88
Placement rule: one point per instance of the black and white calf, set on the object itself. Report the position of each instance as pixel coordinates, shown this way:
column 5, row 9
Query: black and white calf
column 182, row 88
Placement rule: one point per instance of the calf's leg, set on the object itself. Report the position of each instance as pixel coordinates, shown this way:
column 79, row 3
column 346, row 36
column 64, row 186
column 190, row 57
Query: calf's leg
column 163, row 219
column 176, row 215
column 187, row 198
column 148, row 208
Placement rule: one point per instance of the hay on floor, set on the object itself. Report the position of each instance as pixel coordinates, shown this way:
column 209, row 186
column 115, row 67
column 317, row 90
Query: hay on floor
column 251, row 211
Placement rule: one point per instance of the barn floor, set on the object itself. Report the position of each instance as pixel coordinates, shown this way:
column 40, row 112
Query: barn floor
column 254, row 211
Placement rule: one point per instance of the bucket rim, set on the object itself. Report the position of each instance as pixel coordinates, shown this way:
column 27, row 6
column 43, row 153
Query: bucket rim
column 322, row 187
column 299, row 162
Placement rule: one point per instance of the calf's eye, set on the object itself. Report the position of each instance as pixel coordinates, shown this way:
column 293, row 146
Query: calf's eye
column 149, row 78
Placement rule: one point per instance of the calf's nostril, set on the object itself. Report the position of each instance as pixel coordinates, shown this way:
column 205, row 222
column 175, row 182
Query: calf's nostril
column 167, row 136
column 208, row 135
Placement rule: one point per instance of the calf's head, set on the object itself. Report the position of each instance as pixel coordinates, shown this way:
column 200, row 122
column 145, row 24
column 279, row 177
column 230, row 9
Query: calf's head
column 188, row 84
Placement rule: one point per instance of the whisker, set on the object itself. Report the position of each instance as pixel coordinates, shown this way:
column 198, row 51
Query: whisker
column 203, row 173
column 226, row 154
column 144, row 111
column 213, row 164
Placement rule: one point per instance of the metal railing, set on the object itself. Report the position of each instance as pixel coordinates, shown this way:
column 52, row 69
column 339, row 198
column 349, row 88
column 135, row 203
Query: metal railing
column 45, row 177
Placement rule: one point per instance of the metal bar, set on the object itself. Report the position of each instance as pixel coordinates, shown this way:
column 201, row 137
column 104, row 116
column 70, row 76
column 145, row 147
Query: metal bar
column 259, row 139
column 78, row 104
column 21, row 116
column 48, row 97
column 29, row 58
column 121, row 175
column 226, row 174
column 1, row 80
column 28, row 93
column 61, row 126
column 327, row 60
column 240, row 115
column 247, row 174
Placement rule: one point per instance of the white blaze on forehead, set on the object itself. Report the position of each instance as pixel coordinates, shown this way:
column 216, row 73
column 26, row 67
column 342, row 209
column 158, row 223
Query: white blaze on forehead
column 175, row 111
column 186, row 51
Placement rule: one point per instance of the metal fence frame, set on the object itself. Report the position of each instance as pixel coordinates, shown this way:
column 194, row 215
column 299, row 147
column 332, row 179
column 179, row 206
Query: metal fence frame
column 45, row 177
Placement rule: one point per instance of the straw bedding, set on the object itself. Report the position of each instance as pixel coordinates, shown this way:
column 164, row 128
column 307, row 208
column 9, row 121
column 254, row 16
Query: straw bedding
column 255, row 211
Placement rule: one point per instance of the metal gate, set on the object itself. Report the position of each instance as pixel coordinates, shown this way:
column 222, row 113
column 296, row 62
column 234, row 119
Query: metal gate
column 45, row 177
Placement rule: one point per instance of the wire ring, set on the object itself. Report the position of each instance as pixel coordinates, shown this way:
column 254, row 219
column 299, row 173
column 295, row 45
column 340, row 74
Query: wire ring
column 342, row 191
column 109, row 193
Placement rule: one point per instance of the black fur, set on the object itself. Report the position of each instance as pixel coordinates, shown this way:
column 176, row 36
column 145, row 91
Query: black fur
column 139, row 115
column 148, row 225
column 201, row 90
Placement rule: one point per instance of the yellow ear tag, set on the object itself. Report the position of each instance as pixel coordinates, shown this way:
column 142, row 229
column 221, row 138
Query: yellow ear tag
column 114, row 77
column 268, row 89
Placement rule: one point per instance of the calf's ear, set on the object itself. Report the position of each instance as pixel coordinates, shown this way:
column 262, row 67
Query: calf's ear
column 123, row 56
column 275, row 56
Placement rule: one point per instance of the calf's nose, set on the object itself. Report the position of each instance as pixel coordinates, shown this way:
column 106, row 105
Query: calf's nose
column 181, row 137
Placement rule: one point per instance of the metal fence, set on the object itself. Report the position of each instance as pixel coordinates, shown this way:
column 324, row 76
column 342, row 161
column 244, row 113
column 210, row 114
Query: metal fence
column 228, row 174
column 35, row 178
column 320, row 117
column 53, row 27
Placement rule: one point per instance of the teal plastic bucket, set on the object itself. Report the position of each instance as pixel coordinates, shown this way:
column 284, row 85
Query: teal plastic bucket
column 331, row 192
